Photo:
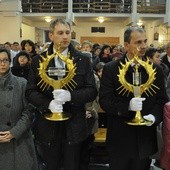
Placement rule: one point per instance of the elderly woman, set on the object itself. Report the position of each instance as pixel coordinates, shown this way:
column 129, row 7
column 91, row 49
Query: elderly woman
column 16, row 143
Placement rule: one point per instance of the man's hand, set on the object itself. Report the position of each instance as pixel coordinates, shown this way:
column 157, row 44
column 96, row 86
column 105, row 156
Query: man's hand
column 136, row 104
column 150, row 118
column 56, row 106
column 61, row 95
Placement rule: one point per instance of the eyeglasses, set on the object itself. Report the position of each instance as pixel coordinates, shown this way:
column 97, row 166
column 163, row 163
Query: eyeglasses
column 5, row 61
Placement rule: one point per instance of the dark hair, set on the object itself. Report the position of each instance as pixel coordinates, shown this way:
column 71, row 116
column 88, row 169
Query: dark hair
column 56, row 21
column 150, row 52
column 21, row 53
column 129, row 30
column 7, row 52
column 99, row 66
column 31, row 43
column 26, row 54
column 103, row 48
column 15, row 43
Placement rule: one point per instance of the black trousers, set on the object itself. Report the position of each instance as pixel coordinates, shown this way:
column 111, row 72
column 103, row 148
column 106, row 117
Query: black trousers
column 85, row 152
column 59, row 154
column 121, row 163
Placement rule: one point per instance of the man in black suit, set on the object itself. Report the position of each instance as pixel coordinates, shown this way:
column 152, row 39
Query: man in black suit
column 59, row 142
column 131, row 145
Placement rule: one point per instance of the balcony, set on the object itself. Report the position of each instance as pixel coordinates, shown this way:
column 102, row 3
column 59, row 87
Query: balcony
column 90, row 6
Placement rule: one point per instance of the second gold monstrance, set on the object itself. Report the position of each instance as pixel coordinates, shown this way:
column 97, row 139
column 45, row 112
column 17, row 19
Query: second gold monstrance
column 137, row 89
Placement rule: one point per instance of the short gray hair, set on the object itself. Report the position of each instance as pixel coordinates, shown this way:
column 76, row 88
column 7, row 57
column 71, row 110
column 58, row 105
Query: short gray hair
column 56, row 21
column 129, row 30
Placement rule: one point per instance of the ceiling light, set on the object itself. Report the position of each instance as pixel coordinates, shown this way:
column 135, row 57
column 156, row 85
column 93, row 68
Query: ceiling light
column 100, row 19
column 139, row 23
column 48, row 19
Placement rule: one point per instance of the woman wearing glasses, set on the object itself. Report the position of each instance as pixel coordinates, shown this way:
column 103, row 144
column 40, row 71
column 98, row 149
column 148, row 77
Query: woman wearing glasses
column 16, row 144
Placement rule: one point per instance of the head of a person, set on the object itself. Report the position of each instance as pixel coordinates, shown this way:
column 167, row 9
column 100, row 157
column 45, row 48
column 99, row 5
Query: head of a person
column 106, row 49
column 135, row 41
column 5, row 60
column 28, row 46
column 153, row 54
column 99, row 69
column 60, row 33
column 86, row 46
column 7, row 45
column 76, row 44
column 22, row 58
column 16, row 46
column 97, row 50
column 167, row 48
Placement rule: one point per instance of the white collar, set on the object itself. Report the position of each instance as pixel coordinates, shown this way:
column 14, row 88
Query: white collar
column 65, row 52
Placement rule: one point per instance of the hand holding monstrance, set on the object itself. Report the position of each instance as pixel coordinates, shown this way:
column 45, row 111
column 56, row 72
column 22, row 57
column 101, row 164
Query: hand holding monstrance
column 60, row 95
column 137, row 88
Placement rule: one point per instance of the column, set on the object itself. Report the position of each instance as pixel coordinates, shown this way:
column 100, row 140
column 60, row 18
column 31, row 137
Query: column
column 10, row 21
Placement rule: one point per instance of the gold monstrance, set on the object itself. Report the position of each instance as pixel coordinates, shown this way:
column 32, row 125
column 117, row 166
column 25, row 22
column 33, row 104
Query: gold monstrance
column 136, row 88
column 66, row 82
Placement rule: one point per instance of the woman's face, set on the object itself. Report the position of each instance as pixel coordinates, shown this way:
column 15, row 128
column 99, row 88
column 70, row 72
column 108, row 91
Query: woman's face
column 4, row 63
column 107, row 51
column 28, row 48
column 97, row 52
column 23, row 60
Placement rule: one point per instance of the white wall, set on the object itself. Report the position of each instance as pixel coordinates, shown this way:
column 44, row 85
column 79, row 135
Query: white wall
column 10, row 28
column 111, row 30
column 28, row 32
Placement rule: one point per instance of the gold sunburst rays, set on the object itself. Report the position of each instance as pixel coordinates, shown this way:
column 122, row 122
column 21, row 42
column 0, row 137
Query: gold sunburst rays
column 66, row 82
column 148, row 87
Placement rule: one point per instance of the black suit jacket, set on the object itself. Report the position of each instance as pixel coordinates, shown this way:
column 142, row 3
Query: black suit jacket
column 123, row 139
column 165, row 61
column 84, row 92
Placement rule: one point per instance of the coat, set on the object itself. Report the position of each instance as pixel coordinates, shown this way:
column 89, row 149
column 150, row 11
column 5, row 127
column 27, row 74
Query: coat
column 19, row 153
column 165, row 60
column 165, row 154
column 85, row 91
column 129, row 140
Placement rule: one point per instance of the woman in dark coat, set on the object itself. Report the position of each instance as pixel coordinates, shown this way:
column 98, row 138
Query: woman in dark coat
column 21, row 65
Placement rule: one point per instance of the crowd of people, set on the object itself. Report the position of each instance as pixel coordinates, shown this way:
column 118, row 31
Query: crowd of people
column 30, row 141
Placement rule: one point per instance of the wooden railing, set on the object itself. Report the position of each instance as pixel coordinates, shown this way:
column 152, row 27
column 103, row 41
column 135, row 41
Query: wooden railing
column 86, row 6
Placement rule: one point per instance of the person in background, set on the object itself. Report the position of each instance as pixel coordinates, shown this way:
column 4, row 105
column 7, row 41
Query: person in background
column 166, row 58
column 76, row 44
column 29, row 46
column 21, row 65
column 16, row 47
column 105, row 54
column 130, row 146
column 58, row 142
column 154, row 56
column 116, row 53
column 16, row 144
column 95, row 56
column 86, row 47
column 7, row 45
